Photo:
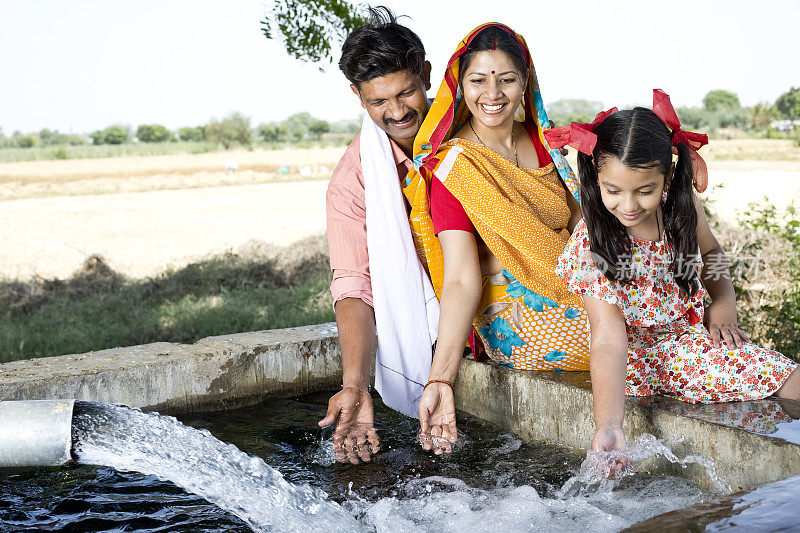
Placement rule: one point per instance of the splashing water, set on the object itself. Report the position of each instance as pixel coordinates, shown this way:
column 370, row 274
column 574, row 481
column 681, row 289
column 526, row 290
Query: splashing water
column 495, row 480
column 439, row 503
column 604, row 469
column 129, row 440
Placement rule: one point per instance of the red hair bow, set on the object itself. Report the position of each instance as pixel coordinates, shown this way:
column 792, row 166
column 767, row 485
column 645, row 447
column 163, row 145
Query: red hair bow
column 578, row 135
column 662, row 107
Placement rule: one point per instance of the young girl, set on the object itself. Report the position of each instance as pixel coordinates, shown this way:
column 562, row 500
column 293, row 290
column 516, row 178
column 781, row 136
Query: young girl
column 643, row 259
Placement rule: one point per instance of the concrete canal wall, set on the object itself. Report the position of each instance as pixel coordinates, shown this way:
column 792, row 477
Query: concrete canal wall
column 232, row 370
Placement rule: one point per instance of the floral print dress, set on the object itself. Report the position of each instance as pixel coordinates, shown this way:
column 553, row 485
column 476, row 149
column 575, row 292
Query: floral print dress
column 670, row 352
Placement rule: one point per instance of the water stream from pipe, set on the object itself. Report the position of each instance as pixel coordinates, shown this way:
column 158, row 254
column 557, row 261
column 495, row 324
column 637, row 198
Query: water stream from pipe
column 500, row 495
column 130, row 440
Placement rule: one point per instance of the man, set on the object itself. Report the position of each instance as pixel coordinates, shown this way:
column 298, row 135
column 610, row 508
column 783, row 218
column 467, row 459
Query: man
column 385, row 64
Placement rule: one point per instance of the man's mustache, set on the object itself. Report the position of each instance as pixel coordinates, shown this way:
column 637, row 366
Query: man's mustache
column 408, row 116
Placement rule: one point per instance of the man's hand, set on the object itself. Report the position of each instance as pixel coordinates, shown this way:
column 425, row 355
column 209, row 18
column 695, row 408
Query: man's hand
column 354, row 439
column 437, row 418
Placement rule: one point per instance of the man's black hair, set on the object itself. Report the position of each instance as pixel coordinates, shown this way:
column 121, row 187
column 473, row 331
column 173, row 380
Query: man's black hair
column 381, row 47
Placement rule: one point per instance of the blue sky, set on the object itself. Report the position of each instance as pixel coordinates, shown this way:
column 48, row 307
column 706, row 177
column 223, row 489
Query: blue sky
column 80, row 66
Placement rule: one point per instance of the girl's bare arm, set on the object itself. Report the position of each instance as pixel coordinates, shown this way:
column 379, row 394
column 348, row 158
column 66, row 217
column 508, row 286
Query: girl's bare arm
column 608, row 366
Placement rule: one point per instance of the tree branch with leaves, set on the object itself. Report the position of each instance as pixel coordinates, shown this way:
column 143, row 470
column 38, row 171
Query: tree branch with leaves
column 310, row 28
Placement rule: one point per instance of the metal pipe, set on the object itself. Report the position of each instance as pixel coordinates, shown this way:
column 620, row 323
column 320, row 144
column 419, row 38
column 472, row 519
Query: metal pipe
column 35, row 432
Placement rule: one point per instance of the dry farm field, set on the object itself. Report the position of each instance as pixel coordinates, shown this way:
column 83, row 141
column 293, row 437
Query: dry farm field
column 144, row 214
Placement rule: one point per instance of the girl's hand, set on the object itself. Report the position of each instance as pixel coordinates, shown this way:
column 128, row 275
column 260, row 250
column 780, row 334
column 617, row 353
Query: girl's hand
column 608, row 439
column 437, row 418
column 720, row 319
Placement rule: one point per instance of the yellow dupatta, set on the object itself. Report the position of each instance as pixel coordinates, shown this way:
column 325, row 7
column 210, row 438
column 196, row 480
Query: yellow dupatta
column 487, row 197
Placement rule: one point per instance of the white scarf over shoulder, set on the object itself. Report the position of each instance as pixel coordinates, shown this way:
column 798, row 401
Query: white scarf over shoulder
column 406, row 308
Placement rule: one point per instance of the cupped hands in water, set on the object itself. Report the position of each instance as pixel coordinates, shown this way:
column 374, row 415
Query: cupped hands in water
column 354, row 436
column 609, row 439
column 437, row 418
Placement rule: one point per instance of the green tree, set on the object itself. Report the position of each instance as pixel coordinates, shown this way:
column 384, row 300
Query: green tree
column 272, row 133
column 152, row 133
column 196, row 134
column 47, row 137
column 310, row 28
column 346, row 126
column 235, row 128
column 761, row 115
column 788, row 104
column 721, row 99
column 566, row 111
column 318, row 128
column 693, row 117
column 97, row 137
column 27, row 141
column 298, row 124
column 115, row 135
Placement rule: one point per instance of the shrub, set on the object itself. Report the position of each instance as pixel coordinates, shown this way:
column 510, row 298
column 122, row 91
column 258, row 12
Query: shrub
column 317, row 128
column 27, row 141
column 772, row 302
column 272, row 133
column 235, row 128
column 115, row 135
column 61, row 153
column 196, row 134
column 153, row 133
column 97, row 137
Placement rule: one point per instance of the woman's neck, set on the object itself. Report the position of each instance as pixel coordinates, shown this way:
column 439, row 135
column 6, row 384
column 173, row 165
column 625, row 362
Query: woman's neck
column 495, row 137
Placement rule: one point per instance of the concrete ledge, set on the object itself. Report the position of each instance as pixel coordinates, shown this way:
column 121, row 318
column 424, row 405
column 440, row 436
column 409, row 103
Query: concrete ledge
column 557, row 407
column 214, row 373
column 233, row 370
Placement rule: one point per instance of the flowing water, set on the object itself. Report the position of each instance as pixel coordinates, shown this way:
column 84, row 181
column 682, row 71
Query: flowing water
column 290, row 481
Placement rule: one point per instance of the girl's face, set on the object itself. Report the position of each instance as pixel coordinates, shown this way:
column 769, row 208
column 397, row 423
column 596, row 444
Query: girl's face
column 633, row 195
column 492, row 88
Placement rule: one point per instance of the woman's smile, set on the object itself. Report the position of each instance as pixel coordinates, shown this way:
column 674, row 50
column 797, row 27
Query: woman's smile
column 492, row 109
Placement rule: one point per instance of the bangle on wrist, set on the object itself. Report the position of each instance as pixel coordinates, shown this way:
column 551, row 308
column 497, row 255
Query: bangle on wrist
column 359, row 389
column 439, row 381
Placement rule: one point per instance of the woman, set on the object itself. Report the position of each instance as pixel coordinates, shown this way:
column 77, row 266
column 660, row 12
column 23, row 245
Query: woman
column 503, row 209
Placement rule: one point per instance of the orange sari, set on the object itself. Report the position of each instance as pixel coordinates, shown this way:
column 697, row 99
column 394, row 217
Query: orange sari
column 527, row 319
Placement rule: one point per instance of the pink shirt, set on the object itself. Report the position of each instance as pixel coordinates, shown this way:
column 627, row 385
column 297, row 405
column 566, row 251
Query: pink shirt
column 347, row 223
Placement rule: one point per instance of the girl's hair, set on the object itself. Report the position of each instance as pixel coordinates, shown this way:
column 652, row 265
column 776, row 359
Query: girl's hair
column 495, row 38
column 639, row 139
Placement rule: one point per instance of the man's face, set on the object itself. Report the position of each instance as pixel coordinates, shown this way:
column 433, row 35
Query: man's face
column 397, row 102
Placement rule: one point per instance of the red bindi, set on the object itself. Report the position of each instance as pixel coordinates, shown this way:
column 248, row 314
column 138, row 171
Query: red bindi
column 492, row 72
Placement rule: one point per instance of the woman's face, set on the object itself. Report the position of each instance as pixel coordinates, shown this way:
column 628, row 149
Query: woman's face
column 492, row 88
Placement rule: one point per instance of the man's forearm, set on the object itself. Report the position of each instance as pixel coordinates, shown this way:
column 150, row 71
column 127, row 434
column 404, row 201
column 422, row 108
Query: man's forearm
column 356, row 322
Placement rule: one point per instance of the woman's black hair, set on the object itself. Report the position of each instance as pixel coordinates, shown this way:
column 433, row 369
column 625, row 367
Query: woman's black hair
column 379, row 48
column 639, row 139
column 495, row 38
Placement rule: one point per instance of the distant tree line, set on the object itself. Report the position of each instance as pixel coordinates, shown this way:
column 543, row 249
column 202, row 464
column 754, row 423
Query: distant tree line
column 232, row 130
column 720, row 109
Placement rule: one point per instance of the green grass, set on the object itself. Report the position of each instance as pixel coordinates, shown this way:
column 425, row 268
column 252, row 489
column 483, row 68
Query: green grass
column 89, row 151
column 98, row 309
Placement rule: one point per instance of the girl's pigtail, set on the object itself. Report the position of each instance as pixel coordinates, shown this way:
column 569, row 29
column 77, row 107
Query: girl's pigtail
column 680, row 224
column 608, row 241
